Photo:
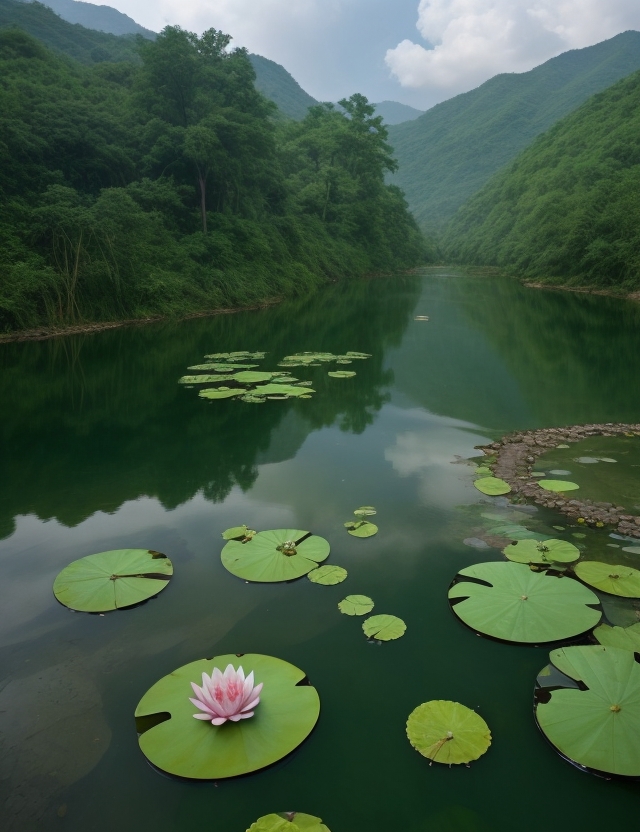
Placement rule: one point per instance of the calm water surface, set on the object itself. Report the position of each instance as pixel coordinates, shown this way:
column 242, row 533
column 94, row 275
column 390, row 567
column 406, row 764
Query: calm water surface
column 101, row 449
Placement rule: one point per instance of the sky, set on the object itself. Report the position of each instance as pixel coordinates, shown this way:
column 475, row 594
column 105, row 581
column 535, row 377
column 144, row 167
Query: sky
column 418, row 52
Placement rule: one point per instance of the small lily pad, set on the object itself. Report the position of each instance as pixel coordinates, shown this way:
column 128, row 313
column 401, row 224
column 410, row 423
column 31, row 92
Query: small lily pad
column 222, row 368
column 448, row 732
column 275, row 555
column 578, row 535
column 112, row 580
column 547, row 551
column 558, row 485
column 616, row 580
column 634, row 550
column 341, row 374
column 237, row 533
column 624, row 638
column 361, row 528
column 221, row 393
column 606, row 459
column 515, row 604
column 351, row 354
column 492, row 486
column 327, row 575
column 288, row 390
column 538, row 474
column 476, row 542
column 563, row 447
column 597, row 725
column 356, row 605
column 252, row 377
column 384, row 627
column 587, row 460
column 560, row 472
column 193, row 748
column 205, row 379
column 288, row 822
column 482, row 470
column 365, row 511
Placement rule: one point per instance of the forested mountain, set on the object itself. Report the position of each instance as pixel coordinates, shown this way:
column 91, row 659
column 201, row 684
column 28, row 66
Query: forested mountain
column 167, row 186
column 280, row 86
column 449, row 153
column 395, row 113
column 86, row 45
column 569, row 206
column 102, row 18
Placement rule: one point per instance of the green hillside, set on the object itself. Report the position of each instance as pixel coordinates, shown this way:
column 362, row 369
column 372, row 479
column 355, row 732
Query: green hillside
column 85, row 45
column 569, row 206
column 102, row 18
column 449, row 153
column 280, row 86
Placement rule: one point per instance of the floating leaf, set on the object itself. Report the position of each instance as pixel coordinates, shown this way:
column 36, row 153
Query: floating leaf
column 351, row 354
column 267, row 558
column 538, row 474
column 562, row 446
column 606, row 459
column 598, row 728
column 253, row 399
column 634, row 550
column 476, row 542
column 361, row 528
column 560, row 472
column 222, row 368
column 384, row 627
column 112, row 580
column 587, row 460
column 327, row 575
column 492, row 486
column 547, row 551
column 236, row 356
column 558, row 528
column 448, row 732
column 287, row 390
column 516, row 604
column 578, row 535
column 194, row 748
column 616, row 580
column 365, row 511
column 205, row 379
column 221, row 393
column 625, row 638
column 288, row 822
column 558, row 485
column 483, row 470
column 344, row 361
column 236, row 533
column 341, row 374
column 252, row 377
column 356, row 605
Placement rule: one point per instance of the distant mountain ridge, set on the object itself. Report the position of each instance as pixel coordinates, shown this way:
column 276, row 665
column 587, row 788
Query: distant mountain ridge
column 101, row 18
column 448, row 154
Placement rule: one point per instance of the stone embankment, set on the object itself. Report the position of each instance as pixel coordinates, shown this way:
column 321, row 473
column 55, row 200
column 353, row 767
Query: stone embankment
column 516, row 455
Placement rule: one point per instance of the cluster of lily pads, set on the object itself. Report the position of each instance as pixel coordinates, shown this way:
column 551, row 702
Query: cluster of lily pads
column 587, row 700
column 235, row 375
column 288, row 822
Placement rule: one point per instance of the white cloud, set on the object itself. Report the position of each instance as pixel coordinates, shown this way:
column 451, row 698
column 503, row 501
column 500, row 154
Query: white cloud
column 472, row 40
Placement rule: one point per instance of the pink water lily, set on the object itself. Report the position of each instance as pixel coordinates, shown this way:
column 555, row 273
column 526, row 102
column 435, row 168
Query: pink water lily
column 226, row 696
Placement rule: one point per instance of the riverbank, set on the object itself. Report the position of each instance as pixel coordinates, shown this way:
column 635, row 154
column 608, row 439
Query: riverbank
column 515, row 457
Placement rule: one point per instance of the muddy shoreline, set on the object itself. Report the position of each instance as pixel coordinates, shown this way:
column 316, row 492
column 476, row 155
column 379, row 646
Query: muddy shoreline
column 515, row 457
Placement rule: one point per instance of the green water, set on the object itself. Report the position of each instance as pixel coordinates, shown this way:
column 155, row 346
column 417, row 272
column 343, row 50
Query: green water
column 102, row 449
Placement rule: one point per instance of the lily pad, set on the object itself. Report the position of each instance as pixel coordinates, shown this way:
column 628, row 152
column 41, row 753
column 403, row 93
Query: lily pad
column 356, row 605
column 267, row 558
column 492, row 486
column 606, row 459
column 236, row 356
column 384, row 627
column 562, row 446
column 341, row 374
column 616, row 580
column 516, row 604
column 365, row 511
column 587, row 460
column 482, row 470
column 221, row 393
column 361, row 528
column 547, row 551
column 476, row 542
column 288, row 822
column 205, row 379
column 252, row 377
column 327, row 575
column 112, row 580
column 194, row 748
column 597, row 728
column 558, row 485
column 222, row 368
column 237, row 533
column 625, row 638
column 352, row 354
column 448, row 732
column 560, row 472
column 634, row 550
column 288, row 390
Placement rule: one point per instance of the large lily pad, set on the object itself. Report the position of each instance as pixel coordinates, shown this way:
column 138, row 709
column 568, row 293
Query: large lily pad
column 112, row 580
column 624, row 638
column 492, row 486
column 341, row 374
column 547, row 551
column 266, row 557
column 384, row 627
column 516, row 604
column 558, row 485
column 616, row 580
column 328, row 575
column 194, row 748
column 598, row 728
column 448, row 732
column 288, row 822
column 252, row 377
column 287, row 390
column 356, row 605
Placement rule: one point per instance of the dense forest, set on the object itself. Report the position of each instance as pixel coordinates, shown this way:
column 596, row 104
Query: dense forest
column 569, row 207
column 168, row 185
column 451, row 151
